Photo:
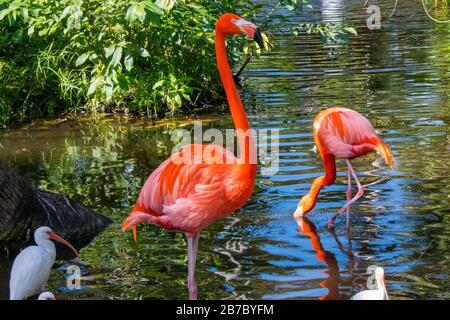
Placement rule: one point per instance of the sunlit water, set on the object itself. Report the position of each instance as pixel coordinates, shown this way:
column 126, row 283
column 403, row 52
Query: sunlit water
column 397, row 76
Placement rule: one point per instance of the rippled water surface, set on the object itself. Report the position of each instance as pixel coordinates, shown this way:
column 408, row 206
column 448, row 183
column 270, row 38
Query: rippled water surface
column 397, row 76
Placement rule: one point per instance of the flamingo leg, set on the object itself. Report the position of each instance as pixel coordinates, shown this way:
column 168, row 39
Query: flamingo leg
column 349, row 197
column 358, row 195
column 192, row 240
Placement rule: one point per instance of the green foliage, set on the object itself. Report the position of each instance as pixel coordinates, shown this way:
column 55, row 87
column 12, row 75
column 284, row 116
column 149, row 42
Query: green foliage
column 146, row 56
column 71, row 54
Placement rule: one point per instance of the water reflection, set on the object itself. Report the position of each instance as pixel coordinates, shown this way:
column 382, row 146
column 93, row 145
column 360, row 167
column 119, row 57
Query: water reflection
column 397, row 76
column 332, row 11
column 308, row 228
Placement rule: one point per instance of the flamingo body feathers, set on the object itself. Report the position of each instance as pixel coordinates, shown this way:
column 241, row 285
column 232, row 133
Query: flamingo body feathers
column 195, row 187
column 347, row 134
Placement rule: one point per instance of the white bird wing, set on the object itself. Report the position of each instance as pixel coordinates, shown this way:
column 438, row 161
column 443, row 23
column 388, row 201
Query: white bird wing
column 369, row 295
column 29, row 273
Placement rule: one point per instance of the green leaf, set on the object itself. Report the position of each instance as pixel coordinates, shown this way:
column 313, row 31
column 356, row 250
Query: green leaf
column 93, row 86
column 131, row 14
column 152, row 7
column 290, row 7
column 65, row 12
column 115, row 60
column 109, row 51
column 81, row 59
column 128, row 61
column 158, row 84
column 135, row 11
column 144, row 53
column 108, row 92
column 4, row 13
column 351, row 30
column 24, row 14
column 178, row 100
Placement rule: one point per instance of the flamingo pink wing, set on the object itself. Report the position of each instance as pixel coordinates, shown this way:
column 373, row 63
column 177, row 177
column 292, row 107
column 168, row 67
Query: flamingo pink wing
column 192, row 193
column 341, row 130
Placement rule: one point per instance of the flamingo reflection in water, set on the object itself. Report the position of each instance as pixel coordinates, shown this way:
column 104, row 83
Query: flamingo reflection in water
column 308, row 228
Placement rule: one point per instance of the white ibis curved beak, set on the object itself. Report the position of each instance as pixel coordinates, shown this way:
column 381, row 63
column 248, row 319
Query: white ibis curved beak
column 384, row 287
column 54, row 236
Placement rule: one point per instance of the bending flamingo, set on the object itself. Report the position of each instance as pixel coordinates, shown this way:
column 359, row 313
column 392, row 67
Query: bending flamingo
column 203, row 183
column 346, row 134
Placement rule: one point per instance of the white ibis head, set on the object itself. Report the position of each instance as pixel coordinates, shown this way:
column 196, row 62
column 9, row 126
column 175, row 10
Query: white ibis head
column 46, row 296
column 43, row 234
column 379, row 274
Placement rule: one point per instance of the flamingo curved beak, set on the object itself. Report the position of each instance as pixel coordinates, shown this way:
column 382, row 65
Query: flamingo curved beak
column 250, row 30
column 54, row 236
column 258, row 38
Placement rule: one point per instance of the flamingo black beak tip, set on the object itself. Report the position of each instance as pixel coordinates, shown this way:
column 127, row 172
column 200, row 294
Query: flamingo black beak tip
column 258, row 38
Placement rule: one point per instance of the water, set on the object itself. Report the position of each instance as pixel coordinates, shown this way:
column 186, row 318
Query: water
column 397, row 76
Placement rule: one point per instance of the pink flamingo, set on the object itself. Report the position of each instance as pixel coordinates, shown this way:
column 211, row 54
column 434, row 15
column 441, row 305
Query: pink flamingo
column 346, row 134
column 211, row 183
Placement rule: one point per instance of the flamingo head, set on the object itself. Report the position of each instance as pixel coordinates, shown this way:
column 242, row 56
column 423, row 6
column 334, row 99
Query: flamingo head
column 305, row 205
column 46, row 296
column 229, row 23
column 45, row 233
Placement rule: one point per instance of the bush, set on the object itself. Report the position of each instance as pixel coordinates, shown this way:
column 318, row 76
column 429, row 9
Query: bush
column 146, row 56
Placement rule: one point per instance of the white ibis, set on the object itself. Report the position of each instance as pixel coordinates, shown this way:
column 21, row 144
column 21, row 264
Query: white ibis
column 31, row 268
column 379, row 293
column 46, row 296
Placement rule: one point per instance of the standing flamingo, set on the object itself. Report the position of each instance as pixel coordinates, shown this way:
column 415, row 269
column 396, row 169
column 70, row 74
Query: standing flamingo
column 31, row 268
column 380, row 293
column 342, row 133
column 187, row 196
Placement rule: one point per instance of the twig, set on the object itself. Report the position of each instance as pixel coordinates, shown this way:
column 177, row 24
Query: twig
column 247, row 60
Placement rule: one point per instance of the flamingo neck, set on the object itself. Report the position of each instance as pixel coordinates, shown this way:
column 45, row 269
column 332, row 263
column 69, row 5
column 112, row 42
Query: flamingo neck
column 246, row 144
column 326, row 180
column 317, row 185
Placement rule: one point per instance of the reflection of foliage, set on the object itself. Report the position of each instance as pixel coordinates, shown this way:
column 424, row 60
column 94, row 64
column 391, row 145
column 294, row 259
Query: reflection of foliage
column 92, row 171
column 327, row 32
column 437, row 8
